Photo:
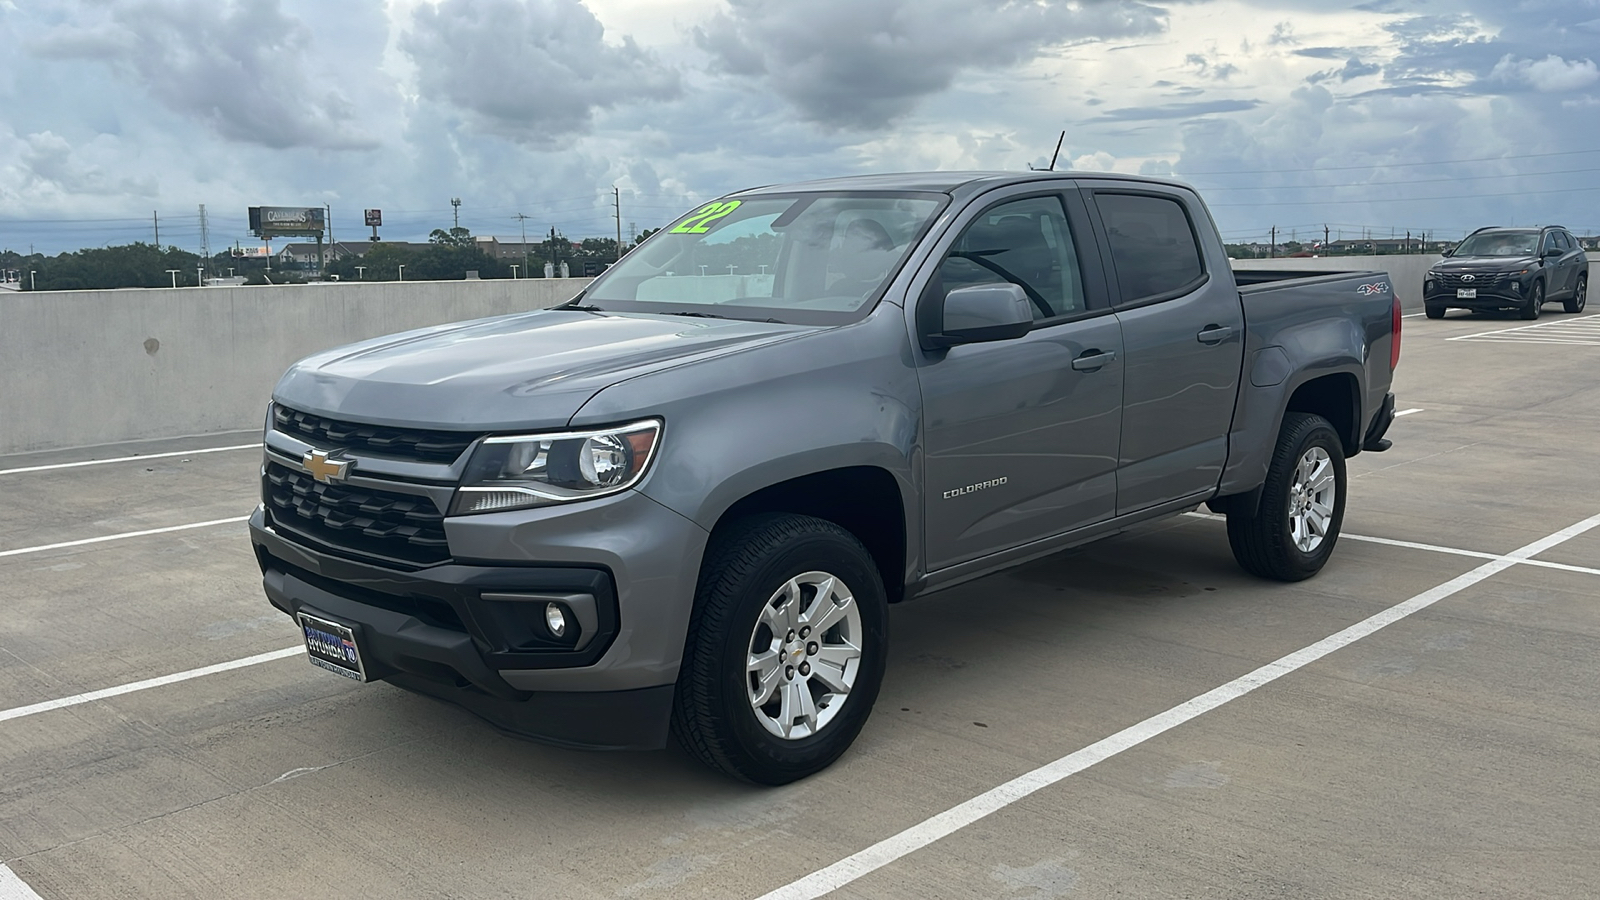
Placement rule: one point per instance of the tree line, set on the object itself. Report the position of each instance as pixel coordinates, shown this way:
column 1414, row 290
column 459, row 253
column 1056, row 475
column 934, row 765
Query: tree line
column 448, row 256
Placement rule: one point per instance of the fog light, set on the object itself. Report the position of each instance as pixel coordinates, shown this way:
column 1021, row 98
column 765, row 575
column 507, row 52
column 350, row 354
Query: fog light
column 555, row 618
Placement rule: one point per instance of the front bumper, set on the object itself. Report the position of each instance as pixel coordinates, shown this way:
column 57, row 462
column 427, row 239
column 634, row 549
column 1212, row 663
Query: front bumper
column 1500, row 295
column 465, row 632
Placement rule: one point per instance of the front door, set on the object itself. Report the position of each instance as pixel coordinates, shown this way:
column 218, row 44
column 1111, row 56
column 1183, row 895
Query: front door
column 1021, row 435
column 1183, row 334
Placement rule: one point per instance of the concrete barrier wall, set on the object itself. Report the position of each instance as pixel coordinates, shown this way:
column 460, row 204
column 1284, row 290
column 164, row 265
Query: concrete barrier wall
column 79, row 368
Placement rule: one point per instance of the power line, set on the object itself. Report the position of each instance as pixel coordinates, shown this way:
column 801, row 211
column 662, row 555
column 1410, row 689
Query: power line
column 1442, row 162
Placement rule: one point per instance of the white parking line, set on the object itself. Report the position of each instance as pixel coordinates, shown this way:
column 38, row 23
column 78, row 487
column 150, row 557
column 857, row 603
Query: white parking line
column 13, row 887
column 847, row 870
column 19, row 712
column 1407, row 412
column 121, row 537
column 101, row 462
column 1435, row 548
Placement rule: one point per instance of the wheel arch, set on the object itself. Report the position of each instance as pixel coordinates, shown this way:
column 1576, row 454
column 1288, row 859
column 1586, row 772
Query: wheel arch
column 865, row 500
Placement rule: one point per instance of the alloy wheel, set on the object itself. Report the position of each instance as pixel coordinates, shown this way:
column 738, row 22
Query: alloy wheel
column 805, row 653
column 1312, row 497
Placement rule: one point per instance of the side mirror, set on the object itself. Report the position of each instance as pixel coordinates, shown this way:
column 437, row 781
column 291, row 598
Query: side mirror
column 1448, row 252
column 1553, row 251
column 976, row 314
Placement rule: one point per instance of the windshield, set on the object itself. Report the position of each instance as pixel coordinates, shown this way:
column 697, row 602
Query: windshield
column 809, row 259
column 1498, row 243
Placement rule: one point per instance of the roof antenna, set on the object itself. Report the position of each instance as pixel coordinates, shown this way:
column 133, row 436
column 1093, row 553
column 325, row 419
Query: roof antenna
column 1053, row 157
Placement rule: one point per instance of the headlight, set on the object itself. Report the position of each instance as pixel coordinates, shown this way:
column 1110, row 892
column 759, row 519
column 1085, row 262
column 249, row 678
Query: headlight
column 516, row 472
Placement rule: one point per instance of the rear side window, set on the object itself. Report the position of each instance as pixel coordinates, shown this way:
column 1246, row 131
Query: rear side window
column 1153, row 246
column 1564, row 240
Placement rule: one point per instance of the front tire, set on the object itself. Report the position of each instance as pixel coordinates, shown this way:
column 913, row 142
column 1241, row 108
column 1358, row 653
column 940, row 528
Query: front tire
column 785, row 652
column 1580, row 296
column 1535, row 302
column 1297, row 524
column 1434, row 312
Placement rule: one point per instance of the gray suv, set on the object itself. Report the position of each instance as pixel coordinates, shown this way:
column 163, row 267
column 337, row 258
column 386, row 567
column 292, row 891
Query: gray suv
column 1518, row 269
column 685, row 500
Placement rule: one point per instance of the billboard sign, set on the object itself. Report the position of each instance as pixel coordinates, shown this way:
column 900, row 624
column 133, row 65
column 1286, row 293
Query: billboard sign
column 286, row 221
column 375, row 217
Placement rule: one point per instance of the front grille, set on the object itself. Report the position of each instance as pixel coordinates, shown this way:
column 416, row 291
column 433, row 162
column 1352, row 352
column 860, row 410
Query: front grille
column 378, row 440
column 1453, row 279
column 368, row 522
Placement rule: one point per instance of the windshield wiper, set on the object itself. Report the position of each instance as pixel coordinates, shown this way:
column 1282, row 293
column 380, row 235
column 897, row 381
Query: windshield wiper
column 706, row 315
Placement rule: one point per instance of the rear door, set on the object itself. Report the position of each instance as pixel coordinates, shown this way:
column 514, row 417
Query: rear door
column 1183, row 338
column 1021, row 436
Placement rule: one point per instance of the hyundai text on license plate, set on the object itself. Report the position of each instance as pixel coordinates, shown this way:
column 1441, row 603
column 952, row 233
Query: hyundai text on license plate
column 332, row 646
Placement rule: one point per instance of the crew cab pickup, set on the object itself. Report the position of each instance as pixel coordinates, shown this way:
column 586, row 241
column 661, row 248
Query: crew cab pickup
column 681, row 502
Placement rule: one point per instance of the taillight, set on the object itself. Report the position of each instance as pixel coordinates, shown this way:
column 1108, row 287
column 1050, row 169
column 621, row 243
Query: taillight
column 1394, row 347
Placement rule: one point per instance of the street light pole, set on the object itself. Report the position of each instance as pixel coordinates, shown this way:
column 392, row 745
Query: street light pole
column 361, row 273
column 174, row 274
column 200, row 276
column 514, row 271
column 402, row 273
column 31, row 284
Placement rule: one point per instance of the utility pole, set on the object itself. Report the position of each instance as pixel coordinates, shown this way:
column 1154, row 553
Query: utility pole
column 157, row 220
column 455, row 203
column 1272, row 243
column 205, row 235
column 616, row 197
column 1325, row 237
column 522, row 221
column 333, row 246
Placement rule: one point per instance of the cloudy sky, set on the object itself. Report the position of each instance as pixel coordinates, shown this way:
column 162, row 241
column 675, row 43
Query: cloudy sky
column 1380, row 116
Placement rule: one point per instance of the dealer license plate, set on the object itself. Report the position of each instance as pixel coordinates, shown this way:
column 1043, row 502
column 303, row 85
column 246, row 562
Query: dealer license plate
column 1466, row 293
column 332, row 646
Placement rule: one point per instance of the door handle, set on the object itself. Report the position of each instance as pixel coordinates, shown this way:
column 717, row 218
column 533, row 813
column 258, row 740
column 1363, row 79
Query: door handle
column 1092, row 360
column 1214, row 334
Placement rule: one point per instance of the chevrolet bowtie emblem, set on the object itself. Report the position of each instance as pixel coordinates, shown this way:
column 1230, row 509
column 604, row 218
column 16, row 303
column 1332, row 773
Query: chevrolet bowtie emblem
column 324, row 469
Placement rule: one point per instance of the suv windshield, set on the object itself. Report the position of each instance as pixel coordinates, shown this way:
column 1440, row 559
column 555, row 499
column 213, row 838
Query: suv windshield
column 805, row 258
column 1498, row 243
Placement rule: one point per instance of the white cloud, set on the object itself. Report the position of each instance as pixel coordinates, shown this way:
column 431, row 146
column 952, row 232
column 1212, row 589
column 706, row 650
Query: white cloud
column 1549, row 75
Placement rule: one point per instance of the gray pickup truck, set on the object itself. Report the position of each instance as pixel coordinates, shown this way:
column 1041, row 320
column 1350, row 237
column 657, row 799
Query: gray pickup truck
column 683, row 501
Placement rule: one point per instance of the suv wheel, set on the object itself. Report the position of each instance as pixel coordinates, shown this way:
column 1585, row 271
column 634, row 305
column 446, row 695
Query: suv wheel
column 785, row 652
column 1580, row 296
column 1434, row 312
column 1535, row 301
column 1293, row 532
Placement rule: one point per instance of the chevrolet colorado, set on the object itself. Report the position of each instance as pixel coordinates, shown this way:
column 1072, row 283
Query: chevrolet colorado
column 682, row 502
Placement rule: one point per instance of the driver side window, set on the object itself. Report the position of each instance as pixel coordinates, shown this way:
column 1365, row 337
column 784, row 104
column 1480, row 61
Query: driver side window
column 1024, row 242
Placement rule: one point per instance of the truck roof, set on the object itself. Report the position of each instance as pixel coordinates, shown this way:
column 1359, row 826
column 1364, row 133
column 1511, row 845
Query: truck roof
column 942, row 182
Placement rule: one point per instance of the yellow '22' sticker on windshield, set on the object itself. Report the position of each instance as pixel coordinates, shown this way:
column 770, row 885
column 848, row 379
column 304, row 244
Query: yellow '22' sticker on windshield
column 700, row 221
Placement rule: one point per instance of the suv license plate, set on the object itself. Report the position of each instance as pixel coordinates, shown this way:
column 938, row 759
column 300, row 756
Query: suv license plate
column 1466, row 293
column 332, row 646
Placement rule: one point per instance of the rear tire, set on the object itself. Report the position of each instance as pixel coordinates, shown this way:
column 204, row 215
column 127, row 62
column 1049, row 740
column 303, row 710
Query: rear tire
column 1434, row 312
column 1580, row 296
column 1535, row 302
column 1294, row 531
column 785, row 652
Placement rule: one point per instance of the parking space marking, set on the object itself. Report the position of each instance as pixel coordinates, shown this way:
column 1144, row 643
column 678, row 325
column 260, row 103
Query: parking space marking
column 34, row 709
column 1435, row 548
column 1407, row 412
column 121, row 537
column 831, row 878
column 13, row 887
column 100, row 462
column 1583, row 330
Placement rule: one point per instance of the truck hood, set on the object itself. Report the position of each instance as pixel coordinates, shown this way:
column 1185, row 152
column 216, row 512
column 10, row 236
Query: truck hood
column 525, row 371
column 1485, row 263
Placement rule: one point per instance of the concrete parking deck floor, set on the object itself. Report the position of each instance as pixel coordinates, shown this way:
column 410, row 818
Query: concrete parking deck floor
column 1451, row 753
